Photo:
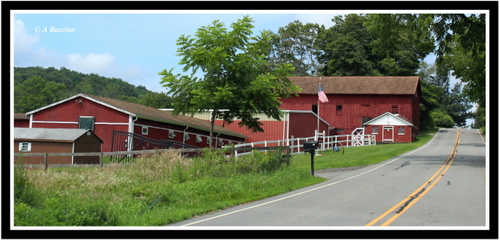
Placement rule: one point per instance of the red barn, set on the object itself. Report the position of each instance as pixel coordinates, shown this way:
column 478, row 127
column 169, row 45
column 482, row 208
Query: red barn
column 128, row 126
column 294, row 123
column 355, row 100
column 21, row 120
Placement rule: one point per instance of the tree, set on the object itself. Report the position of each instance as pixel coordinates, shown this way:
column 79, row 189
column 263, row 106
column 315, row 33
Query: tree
column 344, row 48
column 36, row 92
column 461, row 45
column 294, row 44
column 236, row 75
column 457, row 105
column 374, row 44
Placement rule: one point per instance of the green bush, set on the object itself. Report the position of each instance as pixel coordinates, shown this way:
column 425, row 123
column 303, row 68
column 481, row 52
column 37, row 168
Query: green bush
column 442, row 119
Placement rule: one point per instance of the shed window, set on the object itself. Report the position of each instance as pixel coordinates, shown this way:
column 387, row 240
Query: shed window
column 375, row 130
column 86, row 122
column 145, row 130
column 186, row 136
column 401, row 130
column 24, row 146
column 198, row 138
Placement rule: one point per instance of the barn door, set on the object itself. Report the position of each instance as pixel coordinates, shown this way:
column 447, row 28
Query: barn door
column 388, row 133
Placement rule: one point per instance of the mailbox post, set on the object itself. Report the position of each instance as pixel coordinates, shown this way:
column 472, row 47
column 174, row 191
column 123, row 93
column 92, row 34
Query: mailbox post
column 311, row 147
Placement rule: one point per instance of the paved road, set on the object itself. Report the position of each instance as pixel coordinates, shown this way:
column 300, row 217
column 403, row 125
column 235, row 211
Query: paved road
column 418, row 185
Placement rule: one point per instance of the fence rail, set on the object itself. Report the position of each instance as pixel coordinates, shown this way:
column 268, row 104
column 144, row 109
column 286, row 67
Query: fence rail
column 286, row 150
column 324, row 143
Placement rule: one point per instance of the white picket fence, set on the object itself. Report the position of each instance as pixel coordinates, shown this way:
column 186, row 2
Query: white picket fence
column 324, row 143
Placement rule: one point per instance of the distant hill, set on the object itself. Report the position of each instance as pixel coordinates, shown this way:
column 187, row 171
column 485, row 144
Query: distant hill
column 35, row 87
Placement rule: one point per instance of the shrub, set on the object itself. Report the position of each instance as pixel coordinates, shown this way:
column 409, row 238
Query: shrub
column 442, row 119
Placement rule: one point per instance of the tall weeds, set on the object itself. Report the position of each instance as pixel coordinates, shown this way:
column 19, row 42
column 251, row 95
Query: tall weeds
column 158, row 188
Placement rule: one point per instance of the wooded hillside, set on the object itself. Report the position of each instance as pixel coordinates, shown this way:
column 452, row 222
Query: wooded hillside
column 35, row 87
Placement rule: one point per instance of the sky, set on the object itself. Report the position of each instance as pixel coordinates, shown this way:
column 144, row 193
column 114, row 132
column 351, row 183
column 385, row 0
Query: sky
column 133, row 46
column 130, row 45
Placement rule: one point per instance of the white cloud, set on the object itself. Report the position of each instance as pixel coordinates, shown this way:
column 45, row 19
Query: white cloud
column 22, row 40
column 103, row 64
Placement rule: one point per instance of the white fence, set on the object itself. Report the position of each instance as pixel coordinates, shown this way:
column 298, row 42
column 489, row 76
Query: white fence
column 324, row 143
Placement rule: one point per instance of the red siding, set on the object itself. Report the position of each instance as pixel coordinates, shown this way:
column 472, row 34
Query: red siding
column 273, row 130
column 106, row 119
column 46, row 147
column 158, row 131
column 355, row 108
column 305, row 124
column 408, row 136
column 22, row 123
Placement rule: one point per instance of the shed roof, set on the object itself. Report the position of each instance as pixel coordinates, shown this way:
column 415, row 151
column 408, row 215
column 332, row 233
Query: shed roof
column 388, row 119
column 52, row 134
column 146, row 112
column 379, row 85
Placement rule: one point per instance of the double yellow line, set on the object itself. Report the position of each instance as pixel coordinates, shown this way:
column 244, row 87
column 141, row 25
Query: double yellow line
column 409, row 201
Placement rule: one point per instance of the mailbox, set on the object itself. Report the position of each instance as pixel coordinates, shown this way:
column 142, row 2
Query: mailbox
column 310, row 146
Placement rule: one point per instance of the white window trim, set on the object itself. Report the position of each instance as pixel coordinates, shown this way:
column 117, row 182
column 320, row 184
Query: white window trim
column 144, row 130
column 23, row 144
column 399, row 133
column 171, row 134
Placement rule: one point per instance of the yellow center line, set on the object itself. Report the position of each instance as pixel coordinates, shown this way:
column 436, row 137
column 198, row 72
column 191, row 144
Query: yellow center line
column 415, row 196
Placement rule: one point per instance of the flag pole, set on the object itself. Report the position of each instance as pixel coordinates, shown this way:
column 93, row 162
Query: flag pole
column 317, row 124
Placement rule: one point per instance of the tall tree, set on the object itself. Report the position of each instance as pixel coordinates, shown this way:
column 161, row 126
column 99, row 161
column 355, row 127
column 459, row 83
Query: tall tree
column 294, row 44
column 236, row 75
column 344, row 48
column 462, row 45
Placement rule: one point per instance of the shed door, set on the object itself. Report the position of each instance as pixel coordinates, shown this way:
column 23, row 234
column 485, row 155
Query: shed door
column 388, row 133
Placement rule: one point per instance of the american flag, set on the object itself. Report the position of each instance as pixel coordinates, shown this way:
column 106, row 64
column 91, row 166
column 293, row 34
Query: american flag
column 321, row 95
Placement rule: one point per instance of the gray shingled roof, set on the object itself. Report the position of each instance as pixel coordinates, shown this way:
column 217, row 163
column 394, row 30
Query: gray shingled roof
column 53, row 134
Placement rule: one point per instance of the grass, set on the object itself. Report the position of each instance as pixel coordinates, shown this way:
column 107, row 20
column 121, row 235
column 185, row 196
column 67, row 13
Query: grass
column 167, row 188
column 357, row 156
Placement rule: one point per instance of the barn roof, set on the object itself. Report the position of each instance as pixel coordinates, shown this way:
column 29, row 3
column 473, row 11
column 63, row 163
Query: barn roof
column 52, row 134
column 380, row 85
column 20, row 116
column 150, row 113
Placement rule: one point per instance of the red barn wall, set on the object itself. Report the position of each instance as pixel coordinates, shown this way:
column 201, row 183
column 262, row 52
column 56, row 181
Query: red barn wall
column 305, row 125
column 355, row 108
column 159, row 131
column 66, row 115
column 273, row 130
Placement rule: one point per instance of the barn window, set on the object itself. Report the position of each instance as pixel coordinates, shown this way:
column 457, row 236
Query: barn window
column 198, row 138
column 171, row 134
column 339, row 109
column 86, row 122
column 395, row 109
column 401, row 130
column 145, row 130
column 315, row 109
column 24, row 146
column 375, row 130
column 365, row 119
column 186, row 137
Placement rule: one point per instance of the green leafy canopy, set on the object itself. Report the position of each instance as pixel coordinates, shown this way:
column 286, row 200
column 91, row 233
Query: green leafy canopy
column 236, row 74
